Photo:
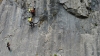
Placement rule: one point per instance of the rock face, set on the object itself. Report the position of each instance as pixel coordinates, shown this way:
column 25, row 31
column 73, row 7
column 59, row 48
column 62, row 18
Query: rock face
column 58, row 32
column 80, row 8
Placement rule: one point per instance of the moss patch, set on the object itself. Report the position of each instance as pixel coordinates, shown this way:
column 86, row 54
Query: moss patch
column 55, row 54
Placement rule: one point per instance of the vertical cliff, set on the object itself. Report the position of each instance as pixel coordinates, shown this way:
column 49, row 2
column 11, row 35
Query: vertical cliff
column 65, row 28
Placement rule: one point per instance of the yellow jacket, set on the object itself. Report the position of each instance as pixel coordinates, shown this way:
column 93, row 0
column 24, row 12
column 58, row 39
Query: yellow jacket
column 30, row 9
column 30, row 19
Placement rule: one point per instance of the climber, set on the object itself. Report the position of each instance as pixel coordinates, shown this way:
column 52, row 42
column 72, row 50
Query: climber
column 32, row 11
column 8, row 45
column 31, row 22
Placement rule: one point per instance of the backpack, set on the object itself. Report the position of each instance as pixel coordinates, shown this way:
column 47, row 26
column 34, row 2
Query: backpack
column 33, row 11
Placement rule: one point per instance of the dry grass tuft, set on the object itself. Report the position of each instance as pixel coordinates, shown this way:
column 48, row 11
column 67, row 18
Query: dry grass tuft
column 0, row 1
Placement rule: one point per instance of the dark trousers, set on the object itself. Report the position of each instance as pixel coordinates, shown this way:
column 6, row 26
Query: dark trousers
column 9, row 48
column 33, row 14
column 31, row 24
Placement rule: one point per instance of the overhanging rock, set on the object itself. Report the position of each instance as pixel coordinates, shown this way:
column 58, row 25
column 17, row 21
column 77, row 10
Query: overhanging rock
column 79, row 8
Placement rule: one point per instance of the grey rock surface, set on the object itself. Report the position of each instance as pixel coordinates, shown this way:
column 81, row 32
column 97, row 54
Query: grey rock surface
column 57, row 33
column 79, row 8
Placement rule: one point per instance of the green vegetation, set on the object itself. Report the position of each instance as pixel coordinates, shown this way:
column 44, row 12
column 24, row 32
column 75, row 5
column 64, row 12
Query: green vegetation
column 96, row 24
column 36, row 54
column 55, row 54
column 15, row 0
